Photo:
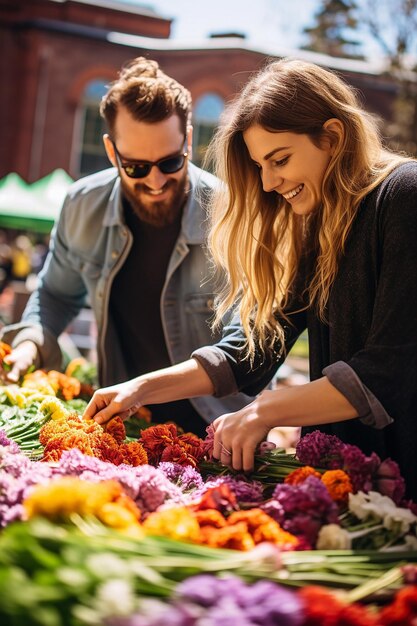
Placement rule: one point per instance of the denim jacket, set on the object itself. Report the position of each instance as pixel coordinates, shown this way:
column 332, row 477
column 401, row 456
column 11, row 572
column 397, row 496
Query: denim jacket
column 89, row 245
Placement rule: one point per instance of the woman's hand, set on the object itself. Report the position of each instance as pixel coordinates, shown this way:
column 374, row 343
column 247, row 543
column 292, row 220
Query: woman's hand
column 122, row 400
column 238, row 434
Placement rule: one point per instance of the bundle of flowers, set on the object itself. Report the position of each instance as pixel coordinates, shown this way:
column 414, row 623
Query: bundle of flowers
column 66, row 430
column 163, row 442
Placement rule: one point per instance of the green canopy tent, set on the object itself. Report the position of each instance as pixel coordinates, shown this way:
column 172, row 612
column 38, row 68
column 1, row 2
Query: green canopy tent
column 32, row 207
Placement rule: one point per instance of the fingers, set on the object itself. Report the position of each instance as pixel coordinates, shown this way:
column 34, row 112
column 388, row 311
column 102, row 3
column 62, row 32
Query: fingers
column 16, row 371
column 103, row 406
column 20, row 360
column 231, row 448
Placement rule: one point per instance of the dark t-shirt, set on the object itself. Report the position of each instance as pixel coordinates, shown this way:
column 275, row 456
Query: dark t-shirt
column 135, row 308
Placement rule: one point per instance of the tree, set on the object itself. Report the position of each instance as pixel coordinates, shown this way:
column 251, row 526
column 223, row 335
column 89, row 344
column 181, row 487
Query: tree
column 334, row 30
column 392, row 25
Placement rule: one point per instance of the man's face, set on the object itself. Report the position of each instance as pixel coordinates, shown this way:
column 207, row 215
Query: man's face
column 157, row 198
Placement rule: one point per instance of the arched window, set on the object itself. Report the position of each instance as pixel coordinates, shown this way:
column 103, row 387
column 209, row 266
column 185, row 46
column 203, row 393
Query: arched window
column 91, row 127
column 207, row 111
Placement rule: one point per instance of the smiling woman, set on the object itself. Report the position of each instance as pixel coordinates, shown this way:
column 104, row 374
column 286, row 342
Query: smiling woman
column 307, row 229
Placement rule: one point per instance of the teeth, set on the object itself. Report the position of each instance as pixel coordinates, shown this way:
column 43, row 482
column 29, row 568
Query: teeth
column 156, row 192
column 293, row 192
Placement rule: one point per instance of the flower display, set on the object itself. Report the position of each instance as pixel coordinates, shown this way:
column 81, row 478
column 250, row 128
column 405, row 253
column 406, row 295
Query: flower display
column 101, row 527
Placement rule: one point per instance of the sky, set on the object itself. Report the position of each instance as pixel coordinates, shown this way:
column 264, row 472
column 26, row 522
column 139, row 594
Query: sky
column 262, row 21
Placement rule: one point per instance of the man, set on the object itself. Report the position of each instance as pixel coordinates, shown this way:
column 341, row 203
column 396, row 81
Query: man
column 130, row 242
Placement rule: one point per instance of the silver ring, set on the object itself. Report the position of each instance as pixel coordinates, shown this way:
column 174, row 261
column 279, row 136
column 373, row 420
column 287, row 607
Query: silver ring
column 225, row 450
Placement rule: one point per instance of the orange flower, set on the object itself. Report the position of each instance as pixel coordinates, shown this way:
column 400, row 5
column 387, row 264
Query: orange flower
column 253, row 518
column 338, row 485
column 5, row 349
column 210, row 517
column 273, row 532
column 52, row 429
column 143, row 413
column 67, row 386
column 134, row 453
column 299, row 475
column 234, row 537
column 116, row 429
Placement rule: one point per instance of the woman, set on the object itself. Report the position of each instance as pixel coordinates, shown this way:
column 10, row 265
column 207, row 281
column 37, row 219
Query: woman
column 318, row 230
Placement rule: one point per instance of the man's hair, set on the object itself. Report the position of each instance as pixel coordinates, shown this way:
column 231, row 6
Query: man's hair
column 147, row 93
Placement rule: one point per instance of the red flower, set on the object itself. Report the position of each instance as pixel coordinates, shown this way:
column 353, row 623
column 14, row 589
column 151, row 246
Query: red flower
column 220, row 498
column 175, row 453
column 156, row 438
column 403, row 611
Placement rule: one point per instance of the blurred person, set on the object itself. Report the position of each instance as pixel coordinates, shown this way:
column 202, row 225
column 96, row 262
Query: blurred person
column 21, row 257
column 316, row 228
column 130, row 240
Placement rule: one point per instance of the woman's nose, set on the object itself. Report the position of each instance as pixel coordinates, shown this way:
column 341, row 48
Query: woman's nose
column 271, row 180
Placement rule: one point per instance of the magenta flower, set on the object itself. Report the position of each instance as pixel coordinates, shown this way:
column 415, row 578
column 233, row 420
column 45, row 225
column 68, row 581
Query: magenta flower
column 319, row 450
column 302, row 509
column 389, row 482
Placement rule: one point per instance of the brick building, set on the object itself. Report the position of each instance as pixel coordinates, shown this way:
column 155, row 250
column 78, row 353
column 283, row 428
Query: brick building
column 56, row 57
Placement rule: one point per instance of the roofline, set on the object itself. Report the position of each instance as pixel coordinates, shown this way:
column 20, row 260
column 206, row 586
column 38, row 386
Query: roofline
column 375, row 67
column 119, row 5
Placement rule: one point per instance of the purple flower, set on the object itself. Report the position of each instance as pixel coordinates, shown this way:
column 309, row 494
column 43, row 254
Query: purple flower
column 246, row 492
column 319, row 450
column 146, row 485
column 17, row 475
column 263, row 602
column 302, row 509
column 11, row 445
column 186, row 477
column 265, row 446
column 389, row 482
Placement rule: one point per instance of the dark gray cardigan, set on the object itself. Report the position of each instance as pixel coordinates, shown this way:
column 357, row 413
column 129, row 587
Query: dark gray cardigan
column 368, row 349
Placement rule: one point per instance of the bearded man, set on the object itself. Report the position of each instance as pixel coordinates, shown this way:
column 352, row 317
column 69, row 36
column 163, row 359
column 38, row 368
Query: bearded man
column 130, row 243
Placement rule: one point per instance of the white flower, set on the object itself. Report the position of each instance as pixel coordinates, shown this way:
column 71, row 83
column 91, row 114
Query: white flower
column 399, row 519
column 115, row 597
column 333, row 537
column 382, row 508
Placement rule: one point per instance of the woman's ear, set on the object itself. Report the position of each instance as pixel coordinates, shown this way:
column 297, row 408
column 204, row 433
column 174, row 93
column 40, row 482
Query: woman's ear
column 334, row 133
column 109, row 148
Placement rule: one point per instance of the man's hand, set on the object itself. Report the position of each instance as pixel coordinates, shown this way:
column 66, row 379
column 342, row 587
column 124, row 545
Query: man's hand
column 20, row 360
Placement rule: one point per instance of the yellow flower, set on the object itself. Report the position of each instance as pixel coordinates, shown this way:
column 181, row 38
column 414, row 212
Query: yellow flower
column 53, row 408
column 117, row 516
column 14, row 395
column 177, row 523
column 61, row 497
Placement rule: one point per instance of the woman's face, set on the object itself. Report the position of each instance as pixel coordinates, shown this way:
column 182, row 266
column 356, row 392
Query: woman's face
column 291, row 165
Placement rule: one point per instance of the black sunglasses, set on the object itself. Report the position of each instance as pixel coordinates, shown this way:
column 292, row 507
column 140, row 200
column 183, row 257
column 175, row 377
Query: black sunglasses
column 140, row 169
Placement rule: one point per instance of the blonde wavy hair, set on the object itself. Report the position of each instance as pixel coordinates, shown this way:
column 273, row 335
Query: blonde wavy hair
column 255, row 236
